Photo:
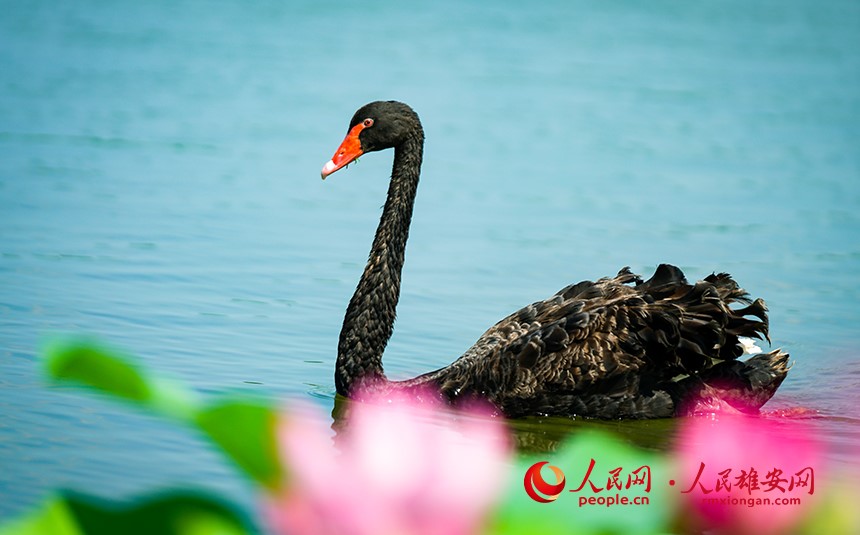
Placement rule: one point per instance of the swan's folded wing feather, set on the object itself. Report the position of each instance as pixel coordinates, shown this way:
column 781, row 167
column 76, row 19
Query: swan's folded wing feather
column 616, row 337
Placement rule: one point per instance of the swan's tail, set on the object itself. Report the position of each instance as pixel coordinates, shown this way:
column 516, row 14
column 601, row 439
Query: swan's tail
column 735, row 386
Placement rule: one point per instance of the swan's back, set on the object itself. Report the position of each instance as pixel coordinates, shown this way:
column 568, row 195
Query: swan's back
column 621, row 347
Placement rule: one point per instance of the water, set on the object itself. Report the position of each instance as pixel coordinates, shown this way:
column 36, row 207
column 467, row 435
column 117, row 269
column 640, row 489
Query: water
column 159, row 188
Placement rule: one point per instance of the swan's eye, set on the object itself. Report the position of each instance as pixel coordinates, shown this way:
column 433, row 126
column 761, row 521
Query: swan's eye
column 367, row 123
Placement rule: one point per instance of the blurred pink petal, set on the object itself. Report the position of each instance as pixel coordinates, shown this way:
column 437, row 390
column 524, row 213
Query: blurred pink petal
column 748, row 474
column 400, row 467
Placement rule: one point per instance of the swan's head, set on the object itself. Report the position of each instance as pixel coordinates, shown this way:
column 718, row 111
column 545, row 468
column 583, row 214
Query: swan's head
column 375, row 126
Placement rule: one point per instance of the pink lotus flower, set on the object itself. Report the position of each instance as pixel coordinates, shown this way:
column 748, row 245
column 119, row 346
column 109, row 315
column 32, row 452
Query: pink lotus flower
column 399, row 467
column 748, row 474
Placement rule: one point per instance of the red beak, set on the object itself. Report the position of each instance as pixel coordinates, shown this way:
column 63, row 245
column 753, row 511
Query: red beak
column 348, row 151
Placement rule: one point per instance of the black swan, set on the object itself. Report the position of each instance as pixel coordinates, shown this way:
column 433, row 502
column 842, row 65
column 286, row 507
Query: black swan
column 619, row 347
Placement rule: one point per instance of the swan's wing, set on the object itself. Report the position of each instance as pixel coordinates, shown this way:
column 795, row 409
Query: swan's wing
column 617, row 336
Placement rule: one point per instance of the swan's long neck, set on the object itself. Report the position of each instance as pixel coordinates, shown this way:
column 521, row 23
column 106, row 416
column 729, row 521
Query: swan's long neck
column 369, row 320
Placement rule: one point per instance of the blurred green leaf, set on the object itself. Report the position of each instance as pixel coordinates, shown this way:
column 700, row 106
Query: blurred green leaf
column 176, row 513
column 243, row 428
column 246, row 431
column 835, row 508
column 54, row 518
column 86, row 362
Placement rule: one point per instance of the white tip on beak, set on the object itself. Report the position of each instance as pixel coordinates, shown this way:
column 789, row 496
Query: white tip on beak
column 328, row 169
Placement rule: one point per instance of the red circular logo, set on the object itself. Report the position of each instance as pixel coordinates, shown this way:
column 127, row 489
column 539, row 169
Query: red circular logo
column 538, row 489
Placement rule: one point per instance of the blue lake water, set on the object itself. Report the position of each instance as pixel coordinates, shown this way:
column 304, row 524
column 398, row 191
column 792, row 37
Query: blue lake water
column 159, row 188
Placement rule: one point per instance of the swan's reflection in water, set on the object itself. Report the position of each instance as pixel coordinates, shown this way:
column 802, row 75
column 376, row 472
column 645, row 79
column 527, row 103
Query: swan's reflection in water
column 536, row 434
